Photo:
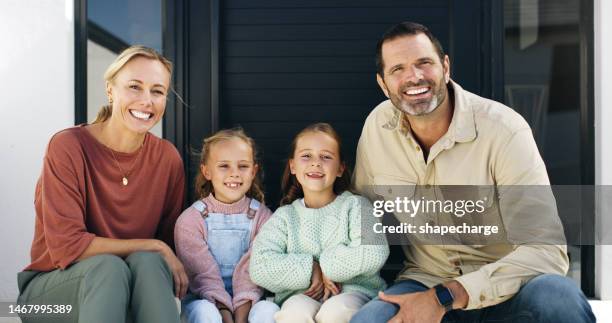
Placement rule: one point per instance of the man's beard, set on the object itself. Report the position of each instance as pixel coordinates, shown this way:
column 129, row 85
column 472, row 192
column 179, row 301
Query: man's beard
column 424, row 107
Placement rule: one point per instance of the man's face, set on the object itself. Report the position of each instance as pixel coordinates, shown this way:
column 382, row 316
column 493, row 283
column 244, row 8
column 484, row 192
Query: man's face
column 414, row 77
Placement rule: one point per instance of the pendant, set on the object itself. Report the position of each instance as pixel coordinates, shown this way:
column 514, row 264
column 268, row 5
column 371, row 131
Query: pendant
column 125, row 181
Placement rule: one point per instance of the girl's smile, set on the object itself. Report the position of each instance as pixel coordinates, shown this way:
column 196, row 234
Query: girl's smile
column 231, row 169
column 316, row 165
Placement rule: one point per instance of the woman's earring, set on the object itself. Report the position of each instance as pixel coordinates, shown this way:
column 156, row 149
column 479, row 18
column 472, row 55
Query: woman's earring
column 110, row 101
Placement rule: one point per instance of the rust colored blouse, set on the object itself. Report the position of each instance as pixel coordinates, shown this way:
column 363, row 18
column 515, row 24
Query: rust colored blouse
column 80, row 195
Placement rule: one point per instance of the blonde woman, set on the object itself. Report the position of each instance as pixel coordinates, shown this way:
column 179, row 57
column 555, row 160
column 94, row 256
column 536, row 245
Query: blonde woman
column 106, row 203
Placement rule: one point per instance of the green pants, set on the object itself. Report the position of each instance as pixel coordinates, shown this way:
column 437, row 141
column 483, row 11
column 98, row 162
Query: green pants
column 103, row 289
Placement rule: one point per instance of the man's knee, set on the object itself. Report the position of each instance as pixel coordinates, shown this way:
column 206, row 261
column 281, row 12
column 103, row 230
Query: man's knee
column 375, row 311
column 554, row 296
column 541, row 288
column 381, row 311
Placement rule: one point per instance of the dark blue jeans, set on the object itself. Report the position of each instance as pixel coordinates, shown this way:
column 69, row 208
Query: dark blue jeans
column 546, row 298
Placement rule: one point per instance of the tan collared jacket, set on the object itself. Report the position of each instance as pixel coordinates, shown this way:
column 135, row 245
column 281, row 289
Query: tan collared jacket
column 487, row 143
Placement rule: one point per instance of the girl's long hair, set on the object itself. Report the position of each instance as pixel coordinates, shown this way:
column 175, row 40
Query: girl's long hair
column 291, row 188
column 204, row 187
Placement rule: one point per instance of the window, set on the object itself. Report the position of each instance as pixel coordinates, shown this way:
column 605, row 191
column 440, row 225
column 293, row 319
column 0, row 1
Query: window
column 543, row 81
column 113, row 25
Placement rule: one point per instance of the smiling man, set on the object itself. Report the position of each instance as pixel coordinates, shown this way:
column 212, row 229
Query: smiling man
column 433, row 132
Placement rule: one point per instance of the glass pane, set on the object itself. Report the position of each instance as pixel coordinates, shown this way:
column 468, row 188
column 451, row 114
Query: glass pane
column 112, row 26
column 542, row 82
column 134, row 21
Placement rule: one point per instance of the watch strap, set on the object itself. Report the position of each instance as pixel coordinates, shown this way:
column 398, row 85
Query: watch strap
column 444, row 296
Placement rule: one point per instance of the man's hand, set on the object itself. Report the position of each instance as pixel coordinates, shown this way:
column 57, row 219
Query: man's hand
column 316, row 289
column 422, row 307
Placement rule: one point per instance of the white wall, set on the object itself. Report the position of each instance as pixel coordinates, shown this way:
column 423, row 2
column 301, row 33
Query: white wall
column 603, row 145
column 37, row 86
column 98, row 58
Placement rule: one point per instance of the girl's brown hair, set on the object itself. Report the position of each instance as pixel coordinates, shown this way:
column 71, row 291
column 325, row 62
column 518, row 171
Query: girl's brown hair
column 203, row 187
column 125, row 57
column 291, row 188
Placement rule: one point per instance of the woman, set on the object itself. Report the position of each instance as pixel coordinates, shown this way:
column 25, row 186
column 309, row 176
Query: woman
column 106, row 203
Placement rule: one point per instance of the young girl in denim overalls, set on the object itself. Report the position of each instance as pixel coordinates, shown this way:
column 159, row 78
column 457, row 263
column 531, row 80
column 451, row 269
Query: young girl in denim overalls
column 213, row 237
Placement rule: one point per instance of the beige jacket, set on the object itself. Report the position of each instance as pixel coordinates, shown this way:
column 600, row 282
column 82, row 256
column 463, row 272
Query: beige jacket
column 487, row 143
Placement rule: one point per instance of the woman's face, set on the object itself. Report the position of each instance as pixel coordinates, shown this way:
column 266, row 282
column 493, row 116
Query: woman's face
column 138, row 94
column 316, row 162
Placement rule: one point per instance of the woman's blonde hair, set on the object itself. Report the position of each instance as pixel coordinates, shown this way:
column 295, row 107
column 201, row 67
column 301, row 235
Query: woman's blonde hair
column 291, row 188
column 204, row 187
column 125, row 57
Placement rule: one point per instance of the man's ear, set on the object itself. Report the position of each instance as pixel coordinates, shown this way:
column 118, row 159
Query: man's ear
column 383, row 86
column 205, row 172
column 381, row 83
column 446, row 66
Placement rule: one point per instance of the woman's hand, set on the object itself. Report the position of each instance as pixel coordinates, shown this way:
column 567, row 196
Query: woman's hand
column 315, row 291
column 178, row 271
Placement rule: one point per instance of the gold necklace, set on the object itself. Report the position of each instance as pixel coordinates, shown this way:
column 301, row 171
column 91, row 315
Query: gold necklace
column 124, row 180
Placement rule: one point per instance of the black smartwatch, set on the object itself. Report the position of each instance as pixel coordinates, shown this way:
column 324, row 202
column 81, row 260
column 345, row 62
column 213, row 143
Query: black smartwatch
column 444, row 296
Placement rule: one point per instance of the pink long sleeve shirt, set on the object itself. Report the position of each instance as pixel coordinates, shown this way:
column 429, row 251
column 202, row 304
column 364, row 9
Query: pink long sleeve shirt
column 204, row 275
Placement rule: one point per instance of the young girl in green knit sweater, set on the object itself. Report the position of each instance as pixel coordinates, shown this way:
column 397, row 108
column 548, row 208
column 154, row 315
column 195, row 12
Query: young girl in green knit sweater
column 310, row 252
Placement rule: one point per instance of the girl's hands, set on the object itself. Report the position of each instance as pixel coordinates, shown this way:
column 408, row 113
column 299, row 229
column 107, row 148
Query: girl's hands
column 316, row 289
column 330, row 288
column 321, row 288
column 178, row 271
column 226, row 314
column 241, row 314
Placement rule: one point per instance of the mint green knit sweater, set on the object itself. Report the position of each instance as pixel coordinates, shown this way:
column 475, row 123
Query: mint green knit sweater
column 284, row 249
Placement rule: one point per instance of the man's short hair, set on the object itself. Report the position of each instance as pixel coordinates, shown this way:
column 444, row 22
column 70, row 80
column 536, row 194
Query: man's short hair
column 405, row 28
